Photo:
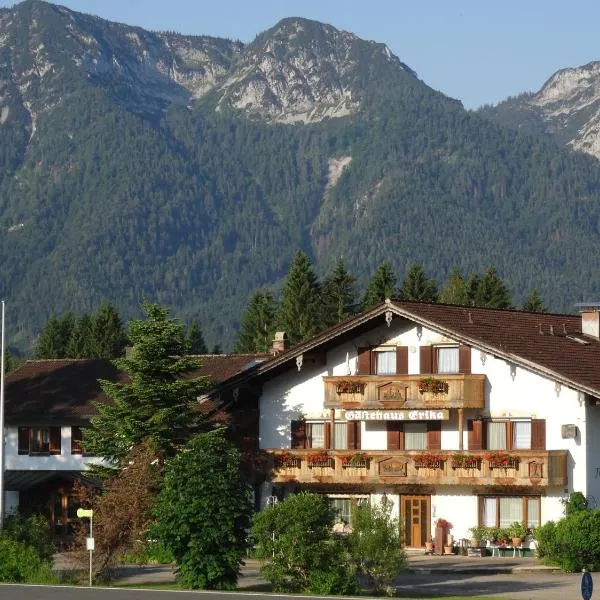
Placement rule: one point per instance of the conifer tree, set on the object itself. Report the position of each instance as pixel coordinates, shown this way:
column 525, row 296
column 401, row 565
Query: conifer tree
column 534, row 303
column 195, row 339
column 416, row 287
column 258, row 324
column 381, row 286
column 339, row 295
column 216, row 349
column 156, row 403
column 472, row 287
column 108, row 333
column 299, row 312
column 54, row 339
column 81, row 343
column 491, row 291
column 455, row 290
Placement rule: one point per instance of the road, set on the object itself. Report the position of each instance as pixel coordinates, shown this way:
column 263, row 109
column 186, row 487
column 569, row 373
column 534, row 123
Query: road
column 520, row 586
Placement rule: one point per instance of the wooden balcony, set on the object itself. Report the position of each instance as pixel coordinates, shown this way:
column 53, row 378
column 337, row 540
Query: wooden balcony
column 405, row 391
column 518, row 468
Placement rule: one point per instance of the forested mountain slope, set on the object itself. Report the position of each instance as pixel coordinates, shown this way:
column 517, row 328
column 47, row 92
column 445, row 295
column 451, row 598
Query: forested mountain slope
column 189, row 170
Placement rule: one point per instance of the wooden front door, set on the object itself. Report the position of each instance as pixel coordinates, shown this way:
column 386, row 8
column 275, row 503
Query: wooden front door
column 415, row 520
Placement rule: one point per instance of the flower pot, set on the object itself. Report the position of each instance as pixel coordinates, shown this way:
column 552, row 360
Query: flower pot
column 516, row 542
column 428, row 547
column 448, row 549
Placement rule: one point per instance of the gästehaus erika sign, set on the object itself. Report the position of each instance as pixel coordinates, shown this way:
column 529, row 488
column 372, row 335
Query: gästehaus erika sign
column 397, row 415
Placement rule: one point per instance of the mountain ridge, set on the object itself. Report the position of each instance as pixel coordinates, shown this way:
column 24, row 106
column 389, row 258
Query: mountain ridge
column 117, row 184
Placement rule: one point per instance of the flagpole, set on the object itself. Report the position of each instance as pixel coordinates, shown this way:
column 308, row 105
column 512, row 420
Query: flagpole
column 2, row 423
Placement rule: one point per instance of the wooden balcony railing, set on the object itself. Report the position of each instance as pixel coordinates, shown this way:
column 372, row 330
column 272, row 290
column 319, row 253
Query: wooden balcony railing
column 516, row 468
column 405, row 391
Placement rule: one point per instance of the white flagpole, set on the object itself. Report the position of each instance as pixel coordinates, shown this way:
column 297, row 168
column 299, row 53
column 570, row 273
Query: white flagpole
column 2, row 423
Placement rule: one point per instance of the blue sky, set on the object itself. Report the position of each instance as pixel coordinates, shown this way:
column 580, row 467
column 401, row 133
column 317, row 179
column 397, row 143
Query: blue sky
column 479, row 51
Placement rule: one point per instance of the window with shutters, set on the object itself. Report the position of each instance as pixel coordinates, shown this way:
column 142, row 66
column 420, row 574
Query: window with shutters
column 39, row 440
column 316, row 435
column 503, row 511
column 341, row 436
column 515, row 434
column 447, row 359
column 385, row 361
column 415, row 436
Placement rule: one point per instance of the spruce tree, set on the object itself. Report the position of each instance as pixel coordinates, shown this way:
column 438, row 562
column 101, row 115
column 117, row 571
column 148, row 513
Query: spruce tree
column 54, row 339
column 108, row 333
column 534, row 303
column 455, row 290
column 416, row 287
column 339, row 295
column 491, row 291
column 195, row 339
column 381, row 286
column 299, row 312
column 156, row 403
column 216, row 349
column 258, row 324
column 81, row 343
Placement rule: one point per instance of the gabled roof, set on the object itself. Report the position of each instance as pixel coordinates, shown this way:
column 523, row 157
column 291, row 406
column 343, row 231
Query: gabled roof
column 549, row 344
column 64, row 390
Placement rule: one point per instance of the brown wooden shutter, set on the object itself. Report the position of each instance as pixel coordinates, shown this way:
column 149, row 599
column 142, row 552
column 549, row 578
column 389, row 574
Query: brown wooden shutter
column 475, row 430
column 426, row 359
column 464, row 359
column 354, row 437
column 395, row 435
column 76, row 440
column 402, row 360
column 23, row 440
column 434, row 435
column 538, row 434
column 364, row 361
column 327, row 435
column 298, row 434
column 509, row 435
column 55, row 440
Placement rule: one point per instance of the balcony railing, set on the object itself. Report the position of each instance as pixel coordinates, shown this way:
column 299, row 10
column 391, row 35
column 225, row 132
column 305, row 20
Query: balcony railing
column 516, row 468
column 405, row 391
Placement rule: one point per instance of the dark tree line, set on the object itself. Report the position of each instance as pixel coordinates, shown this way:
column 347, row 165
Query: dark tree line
column 308, row 306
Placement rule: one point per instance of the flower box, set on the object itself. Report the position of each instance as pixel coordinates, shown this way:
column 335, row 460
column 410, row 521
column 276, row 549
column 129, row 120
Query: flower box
column 466, row 461
column 429, row 461
column 435, row 386
column 350, row 387
column 322, row 459
column 288, row 461
column 358, row 460
column 502, row 460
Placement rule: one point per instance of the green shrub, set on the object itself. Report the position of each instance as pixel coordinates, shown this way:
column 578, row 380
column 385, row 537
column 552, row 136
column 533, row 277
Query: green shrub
column 22, row 564
column 339, row 582
column 577, row 502
column 573, row 543
column 31, row 530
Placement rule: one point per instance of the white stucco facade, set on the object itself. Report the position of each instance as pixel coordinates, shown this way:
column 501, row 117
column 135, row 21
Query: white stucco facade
column 512, row 392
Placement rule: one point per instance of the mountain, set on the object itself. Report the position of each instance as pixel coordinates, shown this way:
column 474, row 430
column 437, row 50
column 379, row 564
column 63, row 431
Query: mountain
column 567, row 108
column 189, row 169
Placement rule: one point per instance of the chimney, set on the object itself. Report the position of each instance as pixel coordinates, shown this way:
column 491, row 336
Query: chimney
column 590, row 319
column 280, row 343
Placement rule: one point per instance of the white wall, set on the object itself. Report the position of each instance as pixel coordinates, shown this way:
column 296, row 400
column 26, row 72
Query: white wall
column 511, row 392
column 592, row 429
column 65, row 461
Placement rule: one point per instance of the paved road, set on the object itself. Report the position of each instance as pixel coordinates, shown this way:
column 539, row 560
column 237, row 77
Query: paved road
column 521, row 586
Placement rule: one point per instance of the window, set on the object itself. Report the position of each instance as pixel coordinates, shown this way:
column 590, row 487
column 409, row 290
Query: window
column 316, row 435
column 496, row 435
column 341, row 436
column 39, row 440
column 344, row 507
column 502, row 511
column 76, row 440
column 415, row 436
column 385, row 362
column 447, row 360
column 521, row 439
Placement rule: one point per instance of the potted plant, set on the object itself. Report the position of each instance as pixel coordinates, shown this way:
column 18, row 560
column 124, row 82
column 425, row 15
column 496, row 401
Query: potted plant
column 517, row 531
column 319, row 459
column 429, row 546
column 357, row 459
column 478, row 536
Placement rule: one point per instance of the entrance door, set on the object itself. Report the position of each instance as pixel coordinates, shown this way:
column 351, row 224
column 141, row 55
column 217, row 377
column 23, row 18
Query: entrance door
column 415, row 518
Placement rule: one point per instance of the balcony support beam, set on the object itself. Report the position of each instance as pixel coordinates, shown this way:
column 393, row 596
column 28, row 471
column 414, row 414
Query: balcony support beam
column 461, row 421
column 332, row 435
